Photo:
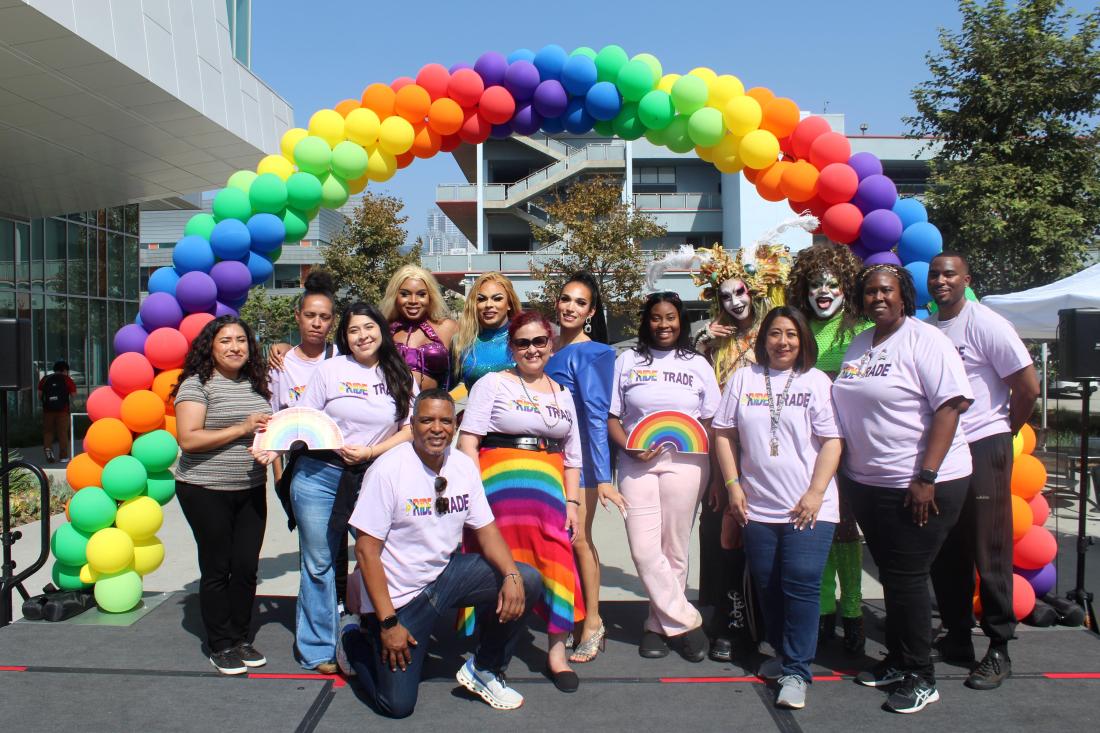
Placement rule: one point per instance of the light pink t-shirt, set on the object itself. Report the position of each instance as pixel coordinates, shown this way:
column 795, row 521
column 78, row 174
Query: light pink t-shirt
column 990, row 351
column 397, row 505
column 667, row 383
column 885, row 397
column 499, row 404
column 356, row 398
column 289, row 383
column 774, row 484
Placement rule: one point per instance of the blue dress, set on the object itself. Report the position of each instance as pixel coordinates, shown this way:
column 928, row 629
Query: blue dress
column 587, row 370
column 489, row 353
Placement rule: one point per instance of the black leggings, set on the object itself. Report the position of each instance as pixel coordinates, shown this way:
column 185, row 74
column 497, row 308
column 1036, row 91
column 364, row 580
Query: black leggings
column 229, row 531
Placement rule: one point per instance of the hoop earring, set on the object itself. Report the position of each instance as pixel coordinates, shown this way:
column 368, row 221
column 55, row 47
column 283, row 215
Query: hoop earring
column 588, row 325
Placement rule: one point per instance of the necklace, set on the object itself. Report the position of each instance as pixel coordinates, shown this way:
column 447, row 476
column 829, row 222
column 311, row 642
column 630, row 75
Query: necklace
column 775, row 407
column 557, row 410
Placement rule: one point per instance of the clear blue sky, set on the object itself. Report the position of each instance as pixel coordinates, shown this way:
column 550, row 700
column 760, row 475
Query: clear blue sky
column 857, row 57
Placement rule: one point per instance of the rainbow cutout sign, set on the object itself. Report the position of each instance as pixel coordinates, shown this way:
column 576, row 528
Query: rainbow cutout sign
column 681, row 431
column 299, row 424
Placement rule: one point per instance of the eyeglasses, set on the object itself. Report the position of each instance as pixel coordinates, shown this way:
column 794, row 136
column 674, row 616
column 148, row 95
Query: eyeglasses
column 539, row 342
column 441, row 503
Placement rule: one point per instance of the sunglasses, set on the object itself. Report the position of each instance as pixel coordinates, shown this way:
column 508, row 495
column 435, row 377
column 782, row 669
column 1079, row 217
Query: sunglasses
column 539, row 342
column 441, row 503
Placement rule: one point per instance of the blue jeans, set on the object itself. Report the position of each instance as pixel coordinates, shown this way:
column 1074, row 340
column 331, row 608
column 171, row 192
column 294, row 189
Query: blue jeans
column 786, row 565
column 468, row 580
column 312, row 492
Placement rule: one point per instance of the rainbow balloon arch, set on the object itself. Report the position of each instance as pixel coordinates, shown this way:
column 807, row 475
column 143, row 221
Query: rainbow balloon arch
column 122, row 479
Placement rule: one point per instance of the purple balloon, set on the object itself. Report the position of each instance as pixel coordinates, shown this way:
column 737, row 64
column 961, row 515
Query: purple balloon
column 460, row 65
column 865, row 164
column 160, row 310
column 859, row 250
column 1041, row 580
column 197, row 292
column 491, row 67
column 526, row 121
column 232, row 279
column 501, row 131
column 882, row 258
column 551, row 98
column 880, row 231
column 875, row 192
column 221, row 309
column 130, row 337
column 521, row 79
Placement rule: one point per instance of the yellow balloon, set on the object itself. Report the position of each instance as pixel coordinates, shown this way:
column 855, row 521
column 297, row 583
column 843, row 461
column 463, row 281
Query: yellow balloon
column 727, row 146
column 759, row 149
column 706, row 154
column 290, row 138
column 729, row 164
column 357, row 185
column 723, row 89
column 276, row 164
column 395, row 136
column 704, row 73
column 742, row 114
column 140, row 517
column 666, row 82
column 1017, row 444
column 380, row 165
column 87, row 575
column 362, row 127
column 148, row 555
column 327, row 124
column 110, row 550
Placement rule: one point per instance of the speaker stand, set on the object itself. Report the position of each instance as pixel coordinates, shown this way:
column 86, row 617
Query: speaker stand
column 1079, row 595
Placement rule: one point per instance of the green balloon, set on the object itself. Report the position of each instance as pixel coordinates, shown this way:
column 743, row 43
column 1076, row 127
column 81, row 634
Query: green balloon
column 584, row 51
column 313, row 155
column 656, row 110
column 199, row 225
column 297, row 224
column 268, row 194
column 651, row 61
column 608, row 62
column 677, row 138
column 70, row 545
column 161, row 486
column 627, row 124
column 118, row 593
column 275, row 254
column 689, row 94
column 232, row 203
column 67, row 577
column 334, row 193
column 657, row 137
column 706, row 127
column 303, row 190
column 349, row 160
column 156, row 450
column 242, row 180
column 124, row 478
column 91, row 509
column 635, row 80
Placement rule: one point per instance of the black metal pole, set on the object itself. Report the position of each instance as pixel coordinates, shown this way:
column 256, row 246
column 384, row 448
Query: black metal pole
column 7, row 571
column 1079, row 595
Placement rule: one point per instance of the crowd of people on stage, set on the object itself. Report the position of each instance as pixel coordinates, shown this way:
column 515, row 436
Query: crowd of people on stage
column 831, row 409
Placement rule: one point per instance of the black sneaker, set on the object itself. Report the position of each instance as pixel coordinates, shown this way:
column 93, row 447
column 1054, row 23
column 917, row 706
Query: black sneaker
column 994, row 669
column 692, row 645
column 249, row 655
column 227, row 662
column 882, row 674
column 721, row 649
column 953, row 650
column 912, row 695
column 653, row 645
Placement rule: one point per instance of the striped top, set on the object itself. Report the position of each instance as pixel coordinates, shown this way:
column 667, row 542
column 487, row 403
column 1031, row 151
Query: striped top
column 228, row 402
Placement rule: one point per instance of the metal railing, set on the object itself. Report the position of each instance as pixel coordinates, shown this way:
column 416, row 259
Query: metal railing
column 595, row 152
column 548, row 142
column 677, row 201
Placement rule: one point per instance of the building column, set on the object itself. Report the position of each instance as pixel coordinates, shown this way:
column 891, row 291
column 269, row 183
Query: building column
column 481, row 176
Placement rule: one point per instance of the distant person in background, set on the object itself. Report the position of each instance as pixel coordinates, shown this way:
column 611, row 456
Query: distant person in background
column 55, row 391
column 413, row 305
column 481, row 343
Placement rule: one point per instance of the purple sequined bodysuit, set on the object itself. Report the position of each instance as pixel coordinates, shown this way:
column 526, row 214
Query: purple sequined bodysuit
column 432, row 359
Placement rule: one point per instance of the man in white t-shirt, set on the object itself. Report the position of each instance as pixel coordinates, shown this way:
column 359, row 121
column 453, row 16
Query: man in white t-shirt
column 414, row 503
column 1002, row 377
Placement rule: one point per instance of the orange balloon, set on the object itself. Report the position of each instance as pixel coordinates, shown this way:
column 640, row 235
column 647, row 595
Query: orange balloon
column 170, row 425
column 1029, row 476
column 445, row 116
column 767, row 183
column 799, row 181
column 164, row 382
column 1028, row 434
column 405, row 159
column 107, row 439
column 1022, row 518
column 427, row 141
column 142, row 411
column 347, row 105
column 780, row 116
column 379, row 98
column 763, row 95
column 83, row 472
column 412, row 102
column 750, row 174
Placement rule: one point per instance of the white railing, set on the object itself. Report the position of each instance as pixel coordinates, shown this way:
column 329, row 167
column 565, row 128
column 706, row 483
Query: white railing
column 548, row 142
column 594, row 152
column 677, row 201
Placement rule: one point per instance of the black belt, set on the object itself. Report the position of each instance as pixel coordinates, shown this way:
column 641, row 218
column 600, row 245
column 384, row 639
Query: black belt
column 522, row 442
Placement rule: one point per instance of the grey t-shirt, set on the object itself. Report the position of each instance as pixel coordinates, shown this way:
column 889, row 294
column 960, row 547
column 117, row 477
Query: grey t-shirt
column 228, row 402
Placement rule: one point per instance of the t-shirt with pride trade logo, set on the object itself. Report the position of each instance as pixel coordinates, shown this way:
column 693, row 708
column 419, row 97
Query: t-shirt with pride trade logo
column 356, row 397
column 668, row 382
column 289, row 383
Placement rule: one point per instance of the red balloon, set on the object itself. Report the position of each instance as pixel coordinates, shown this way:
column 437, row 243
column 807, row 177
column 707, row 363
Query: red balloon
column 401, row 81
column 837, row 183
column 103, row 402
column 785, row 147
column 1040, row 509
column 465, row 87
column 1035, row 549
column 166, row 348
column 815, row 206
column 496, row 105
column 1023, row 597
column 828, row 148
column 191, row 325
column 405, row 159
column 475, row 128
column 435, row 78
column 841, row 223
column 450, row 143
column 805, row 133
column 130, row 372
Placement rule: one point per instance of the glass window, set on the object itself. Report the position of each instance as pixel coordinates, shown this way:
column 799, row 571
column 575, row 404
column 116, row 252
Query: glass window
column 116, row 318
column 54, row 256
column 56, row 327
column 100, row 270
column 130, row 273
column 7, row 253
column 132, row 219
column 38, row 345
column 116, row 265
column 288, row 276
column 22, row 255
column 37, row 249
column 666, row 175
column 78, row 337
column 115, row 219
column 77, row 247
column 98, row 355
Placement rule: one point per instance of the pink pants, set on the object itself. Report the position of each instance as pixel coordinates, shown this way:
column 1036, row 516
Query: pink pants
column 662, row 498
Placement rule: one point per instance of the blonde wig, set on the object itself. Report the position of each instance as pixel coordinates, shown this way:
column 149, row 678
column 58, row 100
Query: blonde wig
column 437, row 309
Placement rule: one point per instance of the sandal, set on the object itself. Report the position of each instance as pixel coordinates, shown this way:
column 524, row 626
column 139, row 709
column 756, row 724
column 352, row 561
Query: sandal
column 591, row 647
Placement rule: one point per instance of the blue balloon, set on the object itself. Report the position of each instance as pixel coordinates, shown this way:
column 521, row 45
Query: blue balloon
column 521, row 54
column 193, row 254
column 260, row 268
column 501, row 132
column 603, row 101
column 577, row 120
column 919, row 271
column 578, row 74
column 267, row 232
column 553, row 125
column 910, row 211
column 549, row 61
column 922, row 314
column 163, row 280
column 920, row 242
column 230, row 240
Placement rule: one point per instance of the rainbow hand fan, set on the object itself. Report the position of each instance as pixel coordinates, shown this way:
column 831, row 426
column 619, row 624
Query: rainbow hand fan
column 677, row 429
column 299, row 424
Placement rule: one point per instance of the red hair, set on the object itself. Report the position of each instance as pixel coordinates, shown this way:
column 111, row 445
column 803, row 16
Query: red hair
column 526, row 318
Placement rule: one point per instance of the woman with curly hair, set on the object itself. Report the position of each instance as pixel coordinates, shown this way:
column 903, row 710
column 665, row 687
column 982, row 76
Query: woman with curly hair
column 481, row 344
column 413, row 305
column 222, row 400
column 820, row 279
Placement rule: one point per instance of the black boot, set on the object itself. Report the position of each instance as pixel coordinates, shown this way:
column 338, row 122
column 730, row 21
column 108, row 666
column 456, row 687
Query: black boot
column 826, row 627
column 854, row 638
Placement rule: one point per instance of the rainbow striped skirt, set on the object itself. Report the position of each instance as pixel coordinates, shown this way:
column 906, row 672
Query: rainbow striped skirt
column 526, row 492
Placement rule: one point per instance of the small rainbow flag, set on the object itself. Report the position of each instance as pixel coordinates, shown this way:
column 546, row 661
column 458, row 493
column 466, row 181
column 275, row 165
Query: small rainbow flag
column 677, row 429
column 299, row 424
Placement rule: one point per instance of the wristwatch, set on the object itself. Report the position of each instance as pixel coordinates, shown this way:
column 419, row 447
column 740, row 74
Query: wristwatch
column 928, row 475
column 389, row 622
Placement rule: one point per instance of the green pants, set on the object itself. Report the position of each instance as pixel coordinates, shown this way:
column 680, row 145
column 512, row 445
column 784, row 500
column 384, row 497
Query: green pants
column 846, row 561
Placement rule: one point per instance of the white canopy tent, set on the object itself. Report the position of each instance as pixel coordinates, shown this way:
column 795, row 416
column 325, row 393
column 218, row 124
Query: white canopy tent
column 1034, row 312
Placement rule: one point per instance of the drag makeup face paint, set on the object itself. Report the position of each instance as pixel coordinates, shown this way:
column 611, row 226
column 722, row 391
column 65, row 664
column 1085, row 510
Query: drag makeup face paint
column 826, row 295
column 735, row 299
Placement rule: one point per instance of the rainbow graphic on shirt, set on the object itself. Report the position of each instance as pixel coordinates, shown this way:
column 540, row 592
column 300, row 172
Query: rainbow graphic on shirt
column 359, row 389
column 754, row 399
column 677, row 429
column 849, row 371
column 293, row 394
column 521, row 405
column 299, row 424
column 643, row 375
column 418, row 507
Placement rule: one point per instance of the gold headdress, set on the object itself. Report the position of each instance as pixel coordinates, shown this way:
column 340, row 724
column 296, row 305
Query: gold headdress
column 764, row 273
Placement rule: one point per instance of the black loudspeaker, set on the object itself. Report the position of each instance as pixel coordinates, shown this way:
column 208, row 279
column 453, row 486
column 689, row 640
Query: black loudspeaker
column 1079, row 343
column 15, row 365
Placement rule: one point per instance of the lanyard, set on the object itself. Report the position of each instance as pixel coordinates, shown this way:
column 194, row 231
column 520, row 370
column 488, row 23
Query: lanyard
column 775, row 407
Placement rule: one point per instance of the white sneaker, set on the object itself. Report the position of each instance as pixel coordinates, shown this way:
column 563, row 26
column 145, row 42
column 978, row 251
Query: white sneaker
column 342, row 661
column 792, row 692
column 491, row 688
column 771, row 669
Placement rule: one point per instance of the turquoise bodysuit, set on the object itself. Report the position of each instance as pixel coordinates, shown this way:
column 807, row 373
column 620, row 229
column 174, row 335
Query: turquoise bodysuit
column 488, row 353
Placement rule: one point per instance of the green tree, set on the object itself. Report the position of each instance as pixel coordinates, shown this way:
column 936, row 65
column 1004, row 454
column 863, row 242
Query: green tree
column 1013, row 103
column 598, row 232
column 368, row 249
column 271, row 316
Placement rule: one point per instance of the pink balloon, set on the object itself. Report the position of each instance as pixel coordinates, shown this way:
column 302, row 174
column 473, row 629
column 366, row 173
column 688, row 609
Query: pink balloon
column 1040, row 510
column 1035, row 549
